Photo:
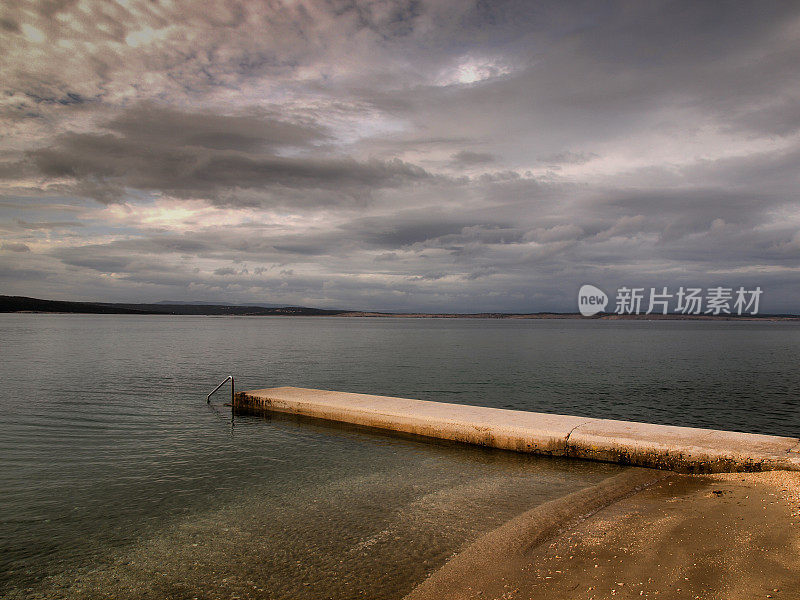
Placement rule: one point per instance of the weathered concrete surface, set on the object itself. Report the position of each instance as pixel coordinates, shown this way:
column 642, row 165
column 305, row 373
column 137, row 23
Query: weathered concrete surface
column 684, row 449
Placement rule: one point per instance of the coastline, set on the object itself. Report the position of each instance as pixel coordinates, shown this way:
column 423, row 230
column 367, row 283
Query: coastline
column 24, row 304
column 723, row 536
column 575, row 316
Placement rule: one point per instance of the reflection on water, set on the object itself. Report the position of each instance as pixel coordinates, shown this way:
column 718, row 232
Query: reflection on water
column 371, row 522
column 119, row 481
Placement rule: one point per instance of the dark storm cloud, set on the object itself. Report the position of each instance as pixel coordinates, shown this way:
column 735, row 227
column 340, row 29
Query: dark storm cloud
column 48, row 224
column 468, row 157
column 9, row 25
column 14, row 247
column 13, row 169
column 429, row 230
column 203, row 155
column 97, row 263
column 402, row 231
column 121, row 252
column 156, row 125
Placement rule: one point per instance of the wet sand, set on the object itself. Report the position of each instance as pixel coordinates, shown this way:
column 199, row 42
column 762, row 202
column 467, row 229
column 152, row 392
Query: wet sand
column 727, row 536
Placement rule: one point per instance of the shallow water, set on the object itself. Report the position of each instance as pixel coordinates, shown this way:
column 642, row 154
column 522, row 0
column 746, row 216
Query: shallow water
column 118, row 480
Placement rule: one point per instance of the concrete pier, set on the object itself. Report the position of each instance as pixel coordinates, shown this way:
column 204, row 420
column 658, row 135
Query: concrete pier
column 683, row 449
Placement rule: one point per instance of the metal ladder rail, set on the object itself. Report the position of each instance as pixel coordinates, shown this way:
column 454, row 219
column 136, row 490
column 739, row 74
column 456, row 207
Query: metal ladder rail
column 229, row 377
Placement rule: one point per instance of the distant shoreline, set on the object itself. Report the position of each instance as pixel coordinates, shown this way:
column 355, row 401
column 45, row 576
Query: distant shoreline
column 600, row 316
column 24, row 304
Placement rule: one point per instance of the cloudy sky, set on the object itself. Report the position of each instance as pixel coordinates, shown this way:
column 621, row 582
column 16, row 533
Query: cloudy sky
column 408, row 155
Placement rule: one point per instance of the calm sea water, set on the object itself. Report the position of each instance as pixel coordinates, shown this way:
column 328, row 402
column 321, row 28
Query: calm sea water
column 116, row 479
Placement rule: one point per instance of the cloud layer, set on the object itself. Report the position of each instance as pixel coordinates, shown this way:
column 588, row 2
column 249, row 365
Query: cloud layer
column 396, row 155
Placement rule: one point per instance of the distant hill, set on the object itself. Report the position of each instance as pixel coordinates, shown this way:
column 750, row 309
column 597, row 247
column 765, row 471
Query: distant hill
column 205, row 303
column 25, row 304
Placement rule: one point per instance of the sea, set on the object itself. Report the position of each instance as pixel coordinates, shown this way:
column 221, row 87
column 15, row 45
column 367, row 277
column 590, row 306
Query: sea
column 118, row 480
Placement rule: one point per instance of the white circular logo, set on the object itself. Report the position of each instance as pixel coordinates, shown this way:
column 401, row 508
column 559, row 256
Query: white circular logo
column 591, row 300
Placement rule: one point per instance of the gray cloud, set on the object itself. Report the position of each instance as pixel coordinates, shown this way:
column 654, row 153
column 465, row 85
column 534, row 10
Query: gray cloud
column 14, row 247
column 48, row 224
column 398, row 155
column 468, row 157
column 9, row 25
column 151, row 124
column 572, row 158
column 207, row 156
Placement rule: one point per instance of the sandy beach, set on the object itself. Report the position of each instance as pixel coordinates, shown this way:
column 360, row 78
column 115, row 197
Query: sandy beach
column 724, row 536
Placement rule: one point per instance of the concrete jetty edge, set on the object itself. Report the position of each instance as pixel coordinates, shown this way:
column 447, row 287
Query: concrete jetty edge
column 682, row 449
column 530, row 529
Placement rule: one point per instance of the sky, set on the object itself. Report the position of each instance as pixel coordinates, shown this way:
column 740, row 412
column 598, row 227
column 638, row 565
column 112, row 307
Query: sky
column 398, row 155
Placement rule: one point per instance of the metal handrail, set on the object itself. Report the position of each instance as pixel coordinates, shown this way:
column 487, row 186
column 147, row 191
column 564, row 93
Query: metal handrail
column 208, row 398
